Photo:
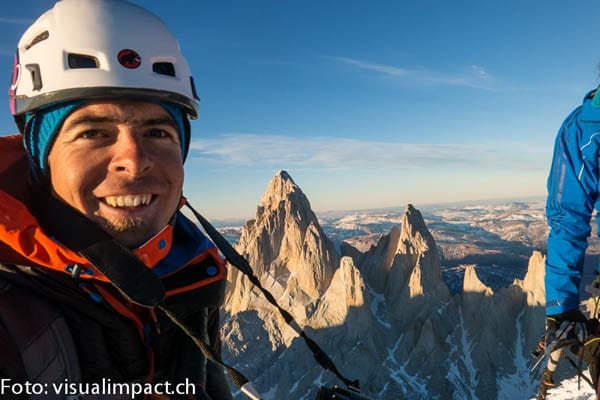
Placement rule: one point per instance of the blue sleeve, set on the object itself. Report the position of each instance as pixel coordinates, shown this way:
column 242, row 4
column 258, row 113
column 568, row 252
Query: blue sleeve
column 572, row 193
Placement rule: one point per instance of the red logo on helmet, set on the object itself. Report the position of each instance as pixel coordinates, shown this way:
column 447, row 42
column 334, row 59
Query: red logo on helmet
column 129, row 58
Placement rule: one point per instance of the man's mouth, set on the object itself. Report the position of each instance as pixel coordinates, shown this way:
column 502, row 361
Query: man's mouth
column 128, row 200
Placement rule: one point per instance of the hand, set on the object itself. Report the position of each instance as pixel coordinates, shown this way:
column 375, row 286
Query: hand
column 553, row 322
column 572, row 316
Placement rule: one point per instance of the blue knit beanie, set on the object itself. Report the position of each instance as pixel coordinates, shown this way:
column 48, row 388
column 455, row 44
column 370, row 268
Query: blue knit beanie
column 43, row 125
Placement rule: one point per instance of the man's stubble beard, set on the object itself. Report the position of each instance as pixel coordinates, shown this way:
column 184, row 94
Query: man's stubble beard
column 123, row 225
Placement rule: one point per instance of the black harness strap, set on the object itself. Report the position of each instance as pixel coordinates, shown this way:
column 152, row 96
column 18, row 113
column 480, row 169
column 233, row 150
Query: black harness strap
column 240, row 263
column 136, row 282
column 141, row 286
column 127, row 273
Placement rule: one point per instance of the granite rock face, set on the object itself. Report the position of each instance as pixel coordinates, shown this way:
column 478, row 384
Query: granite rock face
column 285, row 246
column 386, row 318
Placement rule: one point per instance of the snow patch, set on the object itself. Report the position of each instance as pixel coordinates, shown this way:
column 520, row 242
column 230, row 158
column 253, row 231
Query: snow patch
column 377, row 305
column 567, row 390
column 463, row 367
column 514, row 385
column 401, row 377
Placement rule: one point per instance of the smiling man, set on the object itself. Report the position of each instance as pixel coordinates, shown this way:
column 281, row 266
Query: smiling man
column 121, row 166
column 99, row 270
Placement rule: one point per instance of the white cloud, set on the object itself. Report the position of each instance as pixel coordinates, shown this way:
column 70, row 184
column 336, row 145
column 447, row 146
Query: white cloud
column 473, row 76
column 345, row 153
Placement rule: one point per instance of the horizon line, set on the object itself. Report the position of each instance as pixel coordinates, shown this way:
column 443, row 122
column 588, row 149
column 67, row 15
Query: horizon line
column 527, row 199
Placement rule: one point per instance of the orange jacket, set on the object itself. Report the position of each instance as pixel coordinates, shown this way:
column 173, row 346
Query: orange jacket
column 23, row 241
column 188, row 264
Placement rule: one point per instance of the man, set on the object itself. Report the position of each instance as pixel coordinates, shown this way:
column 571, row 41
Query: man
column 573, row 187
column 99, row 269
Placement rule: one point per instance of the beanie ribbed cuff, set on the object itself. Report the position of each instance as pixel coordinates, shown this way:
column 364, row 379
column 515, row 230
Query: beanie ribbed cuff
column 41, row 129
column 43, row 125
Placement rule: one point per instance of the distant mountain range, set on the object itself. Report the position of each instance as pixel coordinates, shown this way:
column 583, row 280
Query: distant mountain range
column 497, row 238
column 395, row 298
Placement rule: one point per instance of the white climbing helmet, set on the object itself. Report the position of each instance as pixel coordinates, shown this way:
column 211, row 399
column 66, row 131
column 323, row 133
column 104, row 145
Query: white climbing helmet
column 87, row 49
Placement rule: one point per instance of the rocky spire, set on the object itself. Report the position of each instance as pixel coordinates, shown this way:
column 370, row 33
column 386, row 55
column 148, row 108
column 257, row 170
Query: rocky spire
column 415, row 238
column 282, row 187
column 533, row 283
column 346, row 291
column 472, row 283
column 391, row 322
column 286, row 241
column 416, row 249
column 405, row 266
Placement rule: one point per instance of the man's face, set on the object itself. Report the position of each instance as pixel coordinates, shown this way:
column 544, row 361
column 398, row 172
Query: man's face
column 120, row 164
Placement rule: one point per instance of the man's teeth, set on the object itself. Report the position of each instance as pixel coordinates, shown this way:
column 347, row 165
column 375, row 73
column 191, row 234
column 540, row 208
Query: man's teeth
column 130, row 200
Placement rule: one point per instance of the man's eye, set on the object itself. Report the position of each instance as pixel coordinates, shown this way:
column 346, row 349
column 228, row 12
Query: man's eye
column 161, row 133
column 157, row 133
column 91, row 134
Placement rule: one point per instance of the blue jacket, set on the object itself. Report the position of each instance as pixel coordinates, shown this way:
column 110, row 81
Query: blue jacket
column 572, row 197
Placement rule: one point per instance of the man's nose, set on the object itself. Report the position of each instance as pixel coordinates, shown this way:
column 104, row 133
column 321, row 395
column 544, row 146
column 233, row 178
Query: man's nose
column 130, row 155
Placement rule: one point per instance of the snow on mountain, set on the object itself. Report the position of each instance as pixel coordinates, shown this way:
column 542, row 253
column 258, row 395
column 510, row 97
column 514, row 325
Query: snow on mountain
column 567, row 389
column 516, row 221
column 231, row 233
column 486, row 226
column 497, row 238
column 386, row 317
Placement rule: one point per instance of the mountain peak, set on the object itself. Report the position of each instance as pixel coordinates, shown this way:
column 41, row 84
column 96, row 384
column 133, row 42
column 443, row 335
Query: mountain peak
column 414, row 219
column 415, row 237
column 281, row 187
column 283, row 175
column 285, row 239
column 472, row 283
column 533, row 283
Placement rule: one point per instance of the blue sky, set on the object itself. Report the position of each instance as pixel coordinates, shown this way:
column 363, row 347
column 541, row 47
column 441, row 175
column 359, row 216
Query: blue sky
column 370, row 103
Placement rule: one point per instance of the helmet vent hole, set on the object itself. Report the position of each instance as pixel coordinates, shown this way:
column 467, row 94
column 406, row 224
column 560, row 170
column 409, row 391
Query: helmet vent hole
column 164, row 68
column 41, row 37
column 36, row 76
column 82, row 61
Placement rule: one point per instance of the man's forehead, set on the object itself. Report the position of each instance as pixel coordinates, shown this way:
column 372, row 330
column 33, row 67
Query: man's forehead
column 126, row 112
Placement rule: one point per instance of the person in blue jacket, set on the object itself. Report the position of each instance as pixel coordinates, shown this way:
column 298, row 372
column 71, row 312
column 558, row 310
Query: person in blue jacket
column 572, row 197
column 573, row 187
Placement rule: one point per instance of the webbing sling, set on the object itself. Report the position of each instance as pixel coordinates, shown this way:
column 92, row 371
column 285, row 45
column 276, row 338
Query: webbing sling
column 242, row 264
column 137, row 283
column 141, row 286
